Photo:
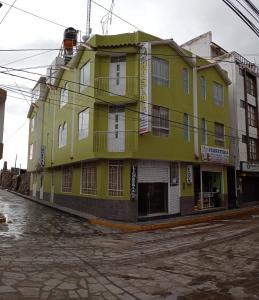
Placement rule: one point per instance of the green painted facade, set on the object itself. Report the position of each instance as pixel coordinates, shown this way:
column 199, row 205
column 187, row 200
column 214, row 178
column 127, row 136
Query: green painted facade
column 137, row 147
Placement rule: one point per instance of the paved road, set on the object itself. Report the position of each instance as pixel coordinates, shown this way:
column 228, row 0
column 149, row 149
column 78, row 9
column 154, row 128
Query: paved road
column 46, row 254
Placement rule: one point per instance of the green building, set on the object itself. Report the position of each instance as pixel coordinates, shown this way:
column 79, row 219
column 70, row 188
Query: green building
column 129, row 127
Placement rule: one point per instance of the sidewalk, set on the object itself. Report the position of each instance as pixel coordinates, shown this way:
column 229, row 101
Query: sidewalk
column 150, row 225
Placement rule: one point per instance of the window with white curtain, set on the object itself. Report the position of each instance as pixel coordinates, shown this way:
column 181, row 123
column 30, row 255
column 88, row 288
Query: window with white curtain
column 62, row 135
column 218, row 93
column 64, row 95
column 83, row 124
column 160, row 71
column 85, row 76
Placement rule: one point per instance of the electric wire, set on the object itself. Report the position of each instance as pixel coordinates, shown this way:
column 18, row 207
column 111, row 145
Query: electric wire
column 126, row 97
column 11, row 6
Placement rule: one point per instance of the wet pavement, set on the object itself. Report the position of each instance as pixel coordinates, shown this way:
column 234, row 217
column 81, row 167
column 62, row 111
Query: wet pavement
column 46, row 254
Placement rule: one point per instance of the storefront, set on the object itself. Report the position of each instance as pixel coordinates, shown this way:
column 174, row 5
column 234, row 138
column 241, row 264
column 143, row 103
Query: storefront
column 248, row 182
column 209, row 179
column 158, row 188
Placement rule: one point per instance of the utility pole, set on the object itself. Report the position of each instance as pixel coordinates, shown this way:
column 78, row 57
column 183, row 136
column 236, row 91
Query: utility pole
column 88, row 20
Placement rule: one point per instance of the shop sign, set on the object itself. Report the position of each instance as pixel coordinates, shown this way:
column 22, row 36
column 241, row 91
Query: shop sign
column 214, row 154
column 133, row 182
column 42, row 156
column 145, row 88
column 250, row 166
column 189, row 174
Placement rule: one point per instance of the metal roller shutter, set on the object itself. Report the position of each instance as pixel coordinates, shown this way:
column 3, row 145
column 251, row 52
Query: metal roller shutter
column 153, row 171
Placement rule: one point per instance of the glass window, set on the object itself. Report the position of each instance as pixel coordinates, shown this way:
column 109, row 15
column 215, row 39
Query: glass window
column 160, row 71
column 252, row 149
column 250, row 85
column 218, row 94
column 219, row 134
column 160, row 120
column 115, row 178
column 83, row 124
column 62, row 135
column 85, row 76
column 252, row 116
column 67, row 180
column 186, row 127
column 203, row 88
column 203, row 132
column 32, row 123
column 242, row 103
column 64, row 95
column 31, row 151
column 186, row 81
column 174, row 173
column 88, row 179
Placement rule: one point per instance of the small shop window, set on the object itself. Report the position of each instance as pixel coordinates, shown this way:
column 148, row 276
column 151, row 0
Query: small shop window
column 174, row 173
column 89, row 179
column 67, row 180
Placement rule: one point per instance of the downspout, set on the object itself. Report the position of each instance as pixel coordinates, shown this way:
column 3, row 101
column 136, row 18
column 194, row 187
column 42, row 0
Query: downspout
column 195, row 110
column 73, row 116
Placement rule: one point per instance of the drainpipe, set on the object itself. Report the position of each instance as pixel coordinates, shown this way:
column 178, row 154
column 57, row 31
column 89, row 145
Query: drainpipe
column 195, row 110
column 73, row 116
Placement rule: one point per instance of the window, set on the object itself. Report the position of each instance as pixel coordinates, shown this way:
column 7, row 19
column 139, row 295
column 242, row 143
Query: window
column 242, row 104
column 67, row 180
column 31, row 151
column 203, row 132
column 186, row 81
column 83, row 124
column 64, row 95
column 160, row 71
column 203, row 88
column 186, row 127
column 160, row 120
column 250, row 85
column 62, row 135
column 252, row 149
column 88, row 179
column 244, row 139
column 174, row 173
column 84, row 76
column 115, row 178
column 252, row 116
column 218, row 94
column 219, row 134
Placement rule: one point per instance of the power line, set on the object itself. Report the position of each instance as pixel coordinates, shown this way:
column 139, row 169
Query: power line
column 254, row 8
column 14, row 133
column 117, row 16
column 34, row 15
column 256, row 19
column 123, row 96
column 11, row 6
column 129, row 109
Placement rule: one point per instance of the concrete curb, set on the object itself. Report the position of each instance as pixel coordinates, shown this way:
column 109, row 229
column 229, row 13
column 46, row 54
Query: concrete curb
column 155, row 225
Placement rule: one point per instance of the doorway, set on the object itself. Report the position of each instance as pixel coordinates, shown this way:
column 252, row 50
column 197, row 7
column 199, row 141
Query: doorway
column 152, row 198
column 116, row 129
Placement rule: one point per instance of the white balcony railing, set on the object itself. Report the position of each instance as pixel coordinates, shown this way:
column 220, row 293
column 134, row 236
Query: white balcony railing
column 112, row 86
column 116, row 142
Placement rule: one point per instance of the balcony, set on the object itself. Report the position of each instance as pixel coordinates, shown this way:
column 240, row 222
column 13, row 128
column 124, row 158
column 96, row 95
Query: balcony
column 115, row 142
column 117, row 86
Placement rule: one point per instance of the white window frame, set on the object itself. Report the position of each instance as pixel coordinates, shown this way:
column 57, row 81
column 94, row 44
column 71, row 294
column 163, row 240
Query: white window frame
column 115, row 169
column 89, row 178
column 31, row 152
column 186, row 82
column 160, row 122
column 186, row 127
column 83, row 124
column 219, row 140
column 218, row 93
column 62, row 135
column 66, row 181
column 204, row 137
column 64, row 95
column 85, row 73
column 160, row 71
column 203, row 88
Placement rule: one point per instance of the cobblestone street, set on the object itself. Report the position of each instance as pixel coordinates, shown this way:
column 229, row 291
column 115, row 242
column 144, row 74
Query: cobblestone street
column 46, row 254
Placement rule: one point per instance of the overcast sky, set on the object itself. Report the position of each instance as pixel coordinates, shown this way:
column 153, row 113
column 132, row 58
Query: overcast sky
column 181, row 20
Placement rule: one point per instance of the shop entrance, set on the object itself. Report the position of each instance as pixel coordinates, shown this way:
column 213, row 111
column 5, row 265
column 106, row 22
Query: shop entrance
column 152, row 198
